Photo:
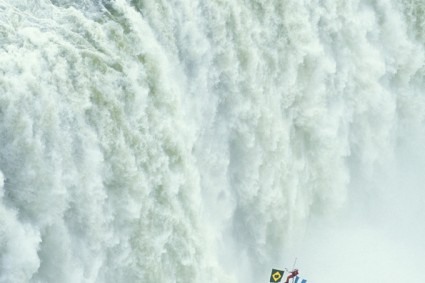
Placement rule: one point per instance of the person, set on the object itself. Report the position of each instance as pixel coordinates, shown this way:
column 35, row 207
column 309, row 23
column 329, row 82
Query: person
column 292, row 274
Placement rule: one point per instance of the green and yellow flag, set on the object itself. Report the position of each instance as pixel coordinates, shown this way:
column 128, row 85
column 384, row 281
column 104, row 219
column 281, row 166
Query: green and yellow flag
column 276, row 275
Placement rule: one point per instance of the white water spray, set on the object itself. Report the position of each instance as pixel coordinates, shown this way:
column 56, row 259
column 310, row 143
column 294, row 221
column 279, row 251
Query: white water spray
column 210, row 141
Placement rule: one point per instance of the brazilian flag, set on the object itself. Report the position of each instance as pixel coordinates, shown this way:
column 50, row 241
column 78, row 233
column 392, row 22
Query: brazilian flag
column 276, row 275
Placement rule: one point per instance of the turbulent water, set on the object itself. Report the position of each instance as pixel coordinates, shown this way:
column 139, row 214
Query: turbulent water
column 210, row 141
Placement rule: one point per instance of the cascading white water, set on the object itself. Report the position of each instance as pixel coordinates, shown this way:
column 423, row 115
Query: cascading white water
column 210, row 141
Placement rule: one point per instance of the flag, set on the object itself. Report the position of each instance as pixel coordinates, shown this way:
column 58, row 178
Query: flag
column 299, row 280
column 276, row 275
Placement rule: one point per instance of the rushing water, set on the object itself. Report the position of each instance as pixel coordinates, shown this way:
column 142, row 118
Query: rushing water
column 210, row 141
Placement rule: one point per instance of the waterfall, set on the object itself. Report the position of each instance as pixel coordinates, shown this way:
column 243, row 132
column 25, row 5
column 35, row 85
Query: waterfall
column 210, row 141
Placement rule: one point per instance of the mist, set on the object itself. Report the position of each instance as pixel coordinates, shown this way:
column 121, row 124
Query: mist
column 378, row 236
